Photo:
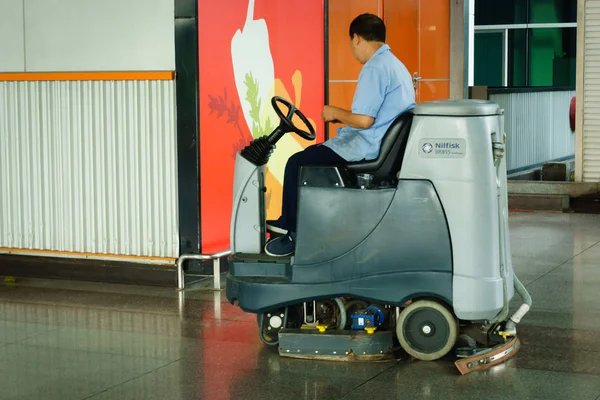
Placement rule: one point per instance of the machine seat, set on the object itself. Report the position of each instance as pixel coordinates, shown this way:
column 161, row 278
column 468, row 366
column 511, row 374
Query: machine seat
column 389, row 161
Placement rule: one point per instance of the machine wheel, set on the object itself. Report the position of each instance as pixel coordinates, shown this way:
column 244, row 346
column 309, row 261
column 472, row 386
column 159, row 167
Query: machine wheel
column 427, row 330
column 269, row 325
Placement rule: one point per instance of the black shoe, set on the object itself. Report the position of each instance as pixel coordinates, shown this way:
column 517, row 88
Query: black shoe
column 281, row 247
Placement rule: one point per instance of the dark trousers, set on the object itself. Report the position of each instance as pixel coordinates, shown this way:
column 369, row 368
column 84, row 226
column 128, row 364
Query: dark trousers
column 313, row 155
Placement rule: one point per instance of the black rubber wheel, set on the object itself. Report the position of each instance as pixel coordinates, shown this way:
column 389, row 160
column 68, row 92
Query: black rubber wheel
column 427, row 330
column 267, row 337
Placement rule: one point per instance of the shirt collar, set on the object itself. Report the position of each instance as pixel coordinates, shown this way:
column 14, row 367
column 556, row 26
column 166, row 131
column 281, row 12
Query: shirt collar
column 380, row 50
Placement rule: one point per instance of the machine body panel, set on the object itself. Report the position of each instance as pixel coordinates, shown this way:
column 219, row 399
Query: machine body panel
column 383, row 245
column 369, row 232
column 248, row 214
column 260, row 294
column 454, row 153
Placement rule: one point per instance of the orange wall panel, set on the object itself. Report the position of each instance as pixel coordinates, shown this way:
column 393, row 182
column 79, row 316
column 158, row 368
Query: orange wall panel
column 435, row 39
column 402, row 27
column 340, row 95
column 342, row 65
column 418, row 32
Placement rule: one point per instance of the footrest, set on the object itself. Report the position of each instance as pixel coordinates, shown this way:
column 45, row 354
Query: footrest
column 336, row 345
column 260, row 265
column 262, row 258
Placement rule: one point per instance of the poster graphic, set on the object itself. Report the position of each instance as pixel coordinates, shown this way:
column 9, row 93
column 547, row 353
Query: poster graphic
column 250, row 51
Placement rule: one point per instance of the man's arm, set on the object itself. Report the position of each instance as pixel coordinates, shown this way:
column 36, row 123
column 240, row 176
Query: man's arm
column 336, row 114
column 368, row 98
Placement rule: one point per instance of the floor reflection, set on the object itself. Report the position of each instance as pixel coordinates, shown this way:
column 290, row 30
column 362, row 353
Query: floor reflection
column 78, row 340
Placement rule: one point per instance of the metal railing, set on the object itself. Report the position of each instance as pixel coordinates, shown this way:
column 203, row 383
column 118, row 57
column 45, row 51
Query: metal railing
column 202, row 257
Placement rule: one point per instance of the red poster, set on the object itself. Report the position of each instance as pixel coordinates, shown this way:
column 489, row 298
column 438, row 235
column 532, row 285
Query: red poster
column 250, row 50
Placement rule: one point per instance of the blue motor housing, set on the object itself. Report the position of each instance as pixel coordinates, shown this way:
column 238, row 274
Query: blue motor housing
column 371, row 317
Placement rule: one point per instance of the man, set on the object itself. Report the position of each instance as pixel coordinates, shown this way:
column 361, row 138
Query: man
column 384, row 91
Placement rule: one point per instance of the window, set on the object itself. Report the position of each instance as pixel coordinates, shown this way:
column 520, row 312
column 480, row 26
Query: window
column 489, row 48
column 500, row 12
column 551, row 11
column 517, row 58
column 552, row 56
column 520, row 43
column 518, row 12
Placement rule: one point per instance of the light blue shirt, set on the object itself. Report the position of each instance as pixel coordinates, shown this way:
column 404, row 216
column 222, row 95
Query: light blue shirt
column 384, row 91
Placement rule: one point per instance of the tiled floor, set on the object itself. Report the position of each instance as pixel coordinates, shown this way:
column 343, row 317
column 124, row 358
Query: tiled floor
column 74, row 340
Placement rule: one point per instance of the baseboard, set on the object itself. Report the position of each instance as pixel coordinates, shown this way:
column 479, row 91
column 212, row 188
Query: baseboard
column 88, row 270
column 571, row 189
column 539, row 202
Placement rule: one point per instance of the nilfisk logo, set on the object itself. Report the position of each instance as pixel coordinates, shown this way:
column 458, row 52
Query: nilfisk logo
column 443, row 148
column 447, row 145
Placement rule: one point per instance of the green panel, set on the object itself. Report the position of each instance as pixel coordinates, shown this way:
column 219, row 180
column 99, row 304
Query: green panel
column 552, row 48
column 488, row 59
column 565, row 72
column 506, row 12
column 552, row 11
column 543, row 43
column 517, row 57
column 496, row 12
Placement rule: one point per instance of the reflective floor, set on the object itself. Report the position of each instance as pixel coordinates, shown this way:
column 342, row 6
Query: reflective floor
column 74, row 340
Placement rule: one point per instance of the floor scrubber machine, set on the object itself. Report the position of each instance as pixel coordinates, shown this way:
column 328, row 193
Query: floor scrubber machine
column 410, row 250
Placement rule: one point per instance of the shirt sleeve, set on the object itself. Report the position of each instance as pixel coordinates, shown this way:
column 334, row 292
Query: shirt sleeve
column 370, row 92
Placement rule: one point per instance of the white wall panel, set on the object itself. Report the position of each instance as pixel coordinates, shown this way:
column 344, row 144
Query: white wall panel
column 537, row 127
column 100, row 35
column 89, row 167
column 591, row 93
column 12, row 51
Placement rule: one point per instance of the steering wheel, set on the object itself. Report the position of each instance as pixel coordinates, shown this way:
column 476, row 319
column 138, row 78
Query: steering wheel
column 286, row 120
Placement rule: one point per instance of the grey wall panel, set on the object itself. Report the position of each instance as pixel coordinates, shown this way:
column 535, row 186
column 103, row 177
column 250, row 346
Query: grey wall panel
column 12, row 50
column 107, row 35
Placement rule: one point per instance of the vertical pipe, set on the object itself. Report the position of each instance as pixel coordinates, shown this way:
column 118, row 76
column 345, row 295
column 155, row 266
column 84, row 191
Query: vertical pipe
column 217, row 274
column 469, row 45
column 505, row 58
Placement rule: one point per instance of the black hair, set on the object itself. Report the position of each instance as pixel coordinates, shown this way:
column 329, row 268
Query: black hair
column 369, row 27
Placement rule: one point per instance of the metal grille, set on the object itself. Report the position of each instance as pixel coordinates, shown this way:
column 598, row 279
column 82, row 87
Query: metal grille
column 89, row 166
column 537, row 127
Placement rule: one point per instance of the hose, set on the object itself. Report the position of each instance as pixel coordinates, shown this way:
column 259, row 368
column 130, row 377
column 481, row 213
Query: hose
column 504, row 312
column 524, row 309
column 498, row 151
column 505, row 308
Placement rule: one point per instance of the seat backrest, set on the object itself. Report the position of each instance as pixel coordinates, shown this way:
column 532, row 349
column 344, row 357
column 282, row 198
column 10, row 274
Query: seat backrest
column 389, row 161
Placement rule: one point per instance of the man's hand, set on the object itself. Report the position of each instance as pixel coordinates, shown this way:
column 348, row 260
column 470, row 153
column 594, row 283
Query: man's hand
column 329, row 114
column 339, row 115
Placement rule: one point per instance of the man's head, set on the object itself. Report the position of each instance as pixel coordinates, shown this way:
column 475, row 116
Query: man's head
column 367, row 34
